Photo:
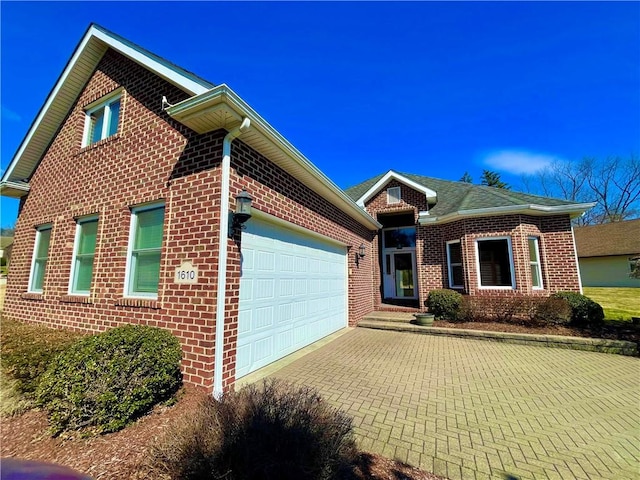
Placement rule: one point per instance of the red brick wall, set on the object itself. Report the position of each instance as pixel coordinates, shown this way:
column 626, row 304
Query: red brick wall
column 559, row 268
column 155, row 158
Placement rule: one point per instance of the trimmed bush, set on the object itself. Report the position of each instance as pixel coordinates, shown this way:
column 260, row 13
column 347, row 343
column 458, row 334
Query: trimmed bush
column 444, row 304
column 107, row 380
column 27, row 351
column 274, row 430
column 552, row 311
column 584, row 311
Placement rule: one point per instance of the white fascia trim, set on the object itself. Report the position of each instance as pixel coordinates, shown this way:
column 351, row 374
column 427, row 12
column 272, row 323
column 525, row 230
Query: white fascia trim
column 573, row 210
column 6, row 186
column 223, row 94
column 430, row 194
column 156, row 65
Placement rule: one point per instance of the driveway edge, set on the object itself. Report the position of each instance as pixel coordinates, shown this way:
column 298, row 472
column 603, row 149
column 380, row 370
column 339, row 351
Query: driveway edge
column 618, row 347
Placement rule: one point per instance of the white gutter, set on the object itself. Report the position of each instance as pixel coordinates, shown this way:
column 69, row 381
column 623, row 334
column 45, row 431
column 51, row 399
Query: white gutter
column 532, row 209
column 223, row 254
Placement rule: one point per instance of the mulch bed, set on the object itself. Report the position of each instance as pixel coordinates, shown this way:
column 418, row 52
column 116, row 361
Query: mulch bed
column 125, row 454
column 612, row 330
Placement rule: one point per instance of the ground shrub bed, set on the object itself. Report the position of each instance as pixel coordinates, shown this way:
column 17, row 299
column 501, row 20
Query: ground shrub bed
column 274, row 430
column 27, row 351
column 584, row 311
column 105, row 381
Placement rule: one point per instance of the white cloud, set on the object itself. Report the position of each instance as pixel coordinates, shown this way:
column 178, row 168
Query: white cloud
column 519, row 161
column 9, row 114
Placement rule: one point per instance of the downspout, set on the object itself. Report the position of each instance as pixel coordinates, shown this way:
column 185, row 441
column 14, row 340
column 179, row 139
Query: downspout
column 223, row 254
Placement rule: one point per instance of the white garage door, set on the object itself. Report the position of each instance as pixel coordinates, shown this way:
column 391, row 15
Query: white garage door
column 293, row 291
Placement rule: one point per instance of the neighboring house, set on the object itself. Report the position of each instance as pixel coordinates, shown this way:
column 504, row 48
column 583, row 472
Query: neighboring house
column 606, row 253
column 5, row 248
column 127, row 180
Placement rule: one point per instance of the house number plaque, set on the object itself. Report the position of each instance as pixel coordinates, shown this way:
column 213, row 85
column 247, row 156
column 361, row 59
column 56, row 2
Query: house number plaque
column 186, row 273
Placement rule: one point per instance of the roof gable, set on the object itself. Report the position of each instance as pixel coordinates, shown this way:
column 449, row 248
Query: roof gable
column 460, row 200
column 622, row 238
column 69, row 85
column 386, row 178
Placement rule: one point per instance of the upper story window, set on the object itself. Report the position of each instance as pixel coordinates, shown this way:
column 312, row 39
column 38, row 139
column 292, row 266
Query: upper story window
column 83, row 255
column 495, row 262
column 393, row 195
column 143, row 256
column 534, row 262
column 102, row 119
column 454, row 264
column 40, row 257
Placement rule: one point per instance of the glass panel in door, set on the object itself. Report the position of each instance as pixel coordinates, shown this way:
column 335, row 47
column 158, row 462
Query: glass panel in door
column 403, row 272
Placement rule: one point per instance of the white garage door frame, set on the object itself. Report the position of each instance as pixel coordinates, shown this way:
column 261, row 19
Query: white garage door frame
column 278, row 313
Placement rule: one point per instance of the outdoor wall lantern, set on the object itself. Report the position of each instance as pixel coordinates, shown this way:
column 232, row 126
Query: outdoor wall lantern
column 361, row 251
column 242, row 213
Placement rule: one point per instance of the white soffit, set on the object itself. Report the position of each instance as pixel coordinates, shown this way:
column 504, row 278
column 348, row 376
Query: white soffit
column 391, row 175
column 574, row 210
column 74, row 77
column 221, row 107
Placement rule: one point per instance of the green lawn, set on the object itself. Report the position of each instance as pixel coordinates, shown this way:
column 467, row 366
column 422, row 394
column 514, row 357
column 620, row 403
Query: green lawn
column 618, row 303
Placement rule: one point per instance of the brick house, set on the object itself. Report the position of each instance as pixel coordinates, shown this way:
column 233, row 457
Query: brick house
column 128, row 180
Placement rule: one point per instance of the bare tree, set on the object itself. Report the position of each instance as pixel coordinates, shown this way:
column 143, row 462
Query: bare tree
column 613, row 183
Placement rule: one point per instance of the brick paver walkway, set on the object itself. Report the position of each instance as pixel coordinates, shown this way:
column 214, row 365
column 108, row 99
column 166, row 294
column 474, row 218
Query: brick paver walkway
column 469, row 409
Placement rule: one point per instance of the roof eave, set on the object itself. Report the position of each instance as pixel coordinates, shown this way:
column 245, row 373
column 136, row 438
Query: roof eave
column 14, row 189
column 221, row 107
column 573, row 210
column 72, row 80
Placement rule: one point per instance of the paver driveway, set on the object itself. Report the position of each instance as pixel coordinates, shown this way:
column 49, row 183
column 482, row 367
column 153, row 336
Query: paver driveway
column 474, row 409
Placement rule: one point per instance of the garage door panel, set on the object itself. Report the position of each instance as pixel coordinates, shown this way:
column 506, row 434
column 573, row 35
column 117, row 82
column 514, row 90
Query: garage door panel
column 299, row 280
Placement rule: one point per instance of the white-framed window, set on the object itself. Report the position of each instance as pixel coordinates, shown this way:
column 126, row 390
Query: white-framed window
column 84, row 251
column 454, row 264
column 143, row 255
column 393, row 195
column 40, row 258
column 494, row 260
column 534, row 262
column 102, row 119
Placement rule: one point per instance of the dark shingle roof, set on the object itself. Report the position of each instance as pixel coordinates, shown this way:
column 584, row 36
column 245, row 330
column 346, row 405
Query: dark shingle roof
column 616, row 238
column 459, row 196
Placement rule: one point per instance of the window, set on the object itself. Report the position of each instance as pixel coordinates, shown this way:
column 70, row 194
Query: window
column 393, row 195
column 404, row 237
column 495, row 263
column 534, row 261
column 454, row 261
column 83, row 254
column 143, row 259
column 40, row 257
column 101, row 120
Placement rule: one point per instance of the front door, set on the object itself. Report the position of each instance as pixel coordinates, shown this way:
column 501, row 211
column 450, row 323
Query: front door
column 399, row 263
column 399, row 275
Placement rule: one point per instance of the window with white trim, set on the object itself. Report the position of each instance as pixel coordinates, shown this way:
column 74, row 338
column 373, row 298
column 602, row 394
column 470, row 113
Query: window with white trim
column 454, row 263
column 393, row 195
column 534, row 262
column 84, row 251
column 495, row 262
column 102, row 119
column 40, row 258
column 143, row 256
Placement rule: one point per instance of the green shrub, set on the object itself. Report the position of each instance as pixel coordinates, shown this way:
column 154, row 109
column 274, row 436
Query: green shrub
column 107, row 380
column 444, row 304
column 552, row 311
column 27, row 351
column 584, row 311
column 274, row 430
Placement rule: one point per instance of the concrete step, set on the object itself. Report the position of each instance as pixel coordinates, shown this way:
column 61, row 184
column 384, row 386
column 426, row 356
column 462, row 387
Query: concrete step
column 381, row 316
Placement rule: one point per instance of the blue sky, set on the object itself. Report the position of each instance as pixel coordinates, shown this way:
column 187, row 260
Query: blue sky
column 429, row 88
